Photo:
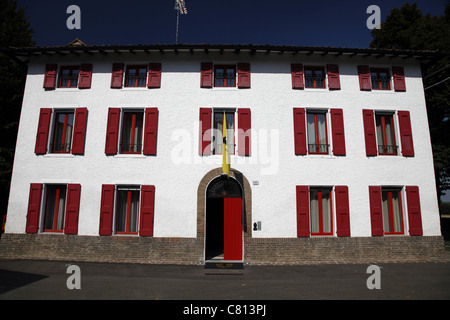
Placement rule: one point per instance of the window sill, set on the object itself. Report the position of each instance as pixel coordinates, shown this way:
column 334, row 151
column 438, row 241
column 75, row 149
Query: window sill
column 118, row 235
column 130, row 155
column 225, row 88
column 146, row 89
column 59, row 155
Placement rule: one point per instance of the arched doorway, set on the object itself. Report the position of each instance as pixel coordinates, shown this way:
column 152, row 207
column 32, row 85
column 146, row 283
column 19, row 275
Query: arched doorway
column 224, row 219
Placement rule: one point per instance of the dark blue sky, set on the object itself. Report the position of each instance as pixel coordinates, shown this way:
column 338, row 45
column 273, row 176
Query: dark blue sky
column 280, row 22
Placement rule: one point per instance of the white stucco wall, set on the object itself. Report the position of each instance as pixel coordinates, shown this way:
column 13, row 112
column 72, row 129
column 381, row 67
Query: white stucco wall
column 177, row 169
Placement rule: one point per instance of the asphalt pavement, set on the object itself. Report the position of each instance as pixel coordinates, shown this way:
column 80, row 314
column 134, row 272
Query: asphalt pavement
column 66, row 280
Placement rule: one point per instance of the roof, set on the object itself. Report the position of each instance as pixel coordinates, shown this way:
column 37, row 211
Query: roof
column 78, row 47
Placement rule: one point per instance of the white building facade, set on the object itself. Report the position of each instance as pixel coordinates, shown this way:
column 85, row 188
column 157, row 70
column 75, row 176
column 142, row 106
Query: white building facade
column 119, row 156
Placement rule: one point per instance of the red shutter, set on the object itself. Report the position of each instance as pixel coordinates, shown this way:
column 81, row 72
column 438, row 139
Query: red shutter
column 43, row 130
column 299, row 131
column 117, row 75
column 154, row 75
column 369, row 132
column 244, row 133
column 112, row 131
column 150, row 131
column 50, row 76
column 34, row 208
column 414, row 213
column 147, row 211
column 365, row 82
column 334, row 82
column 297, row 76
column 398, row 74
column 79, row 130
column 337, row 127
column 376, row 211
column 85, row 76
column 404, row 123
column 205, row 131
column 206, row 75
column 244, row 75
column 342, row 211
column 72, row 208
column 107, row 209
column 303, row 229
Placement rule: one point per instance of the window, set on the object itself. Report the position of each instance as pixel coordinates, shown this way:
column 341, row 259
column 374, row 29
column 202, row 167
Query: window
column 381, row 79
column 315, row 214
column 385, row 134
column 217, row 132
column 68, row 77
column 127, row 211
column 62, row 132
column 321, row 211
column 134, row 210
column 225, row 76
column 317, row 132
column 55, row 204
column 386, row 210
column 314, row 77
column 137, row 132
column 136, row 76
column 132, row 125
column 67, row 134
column 392, row 211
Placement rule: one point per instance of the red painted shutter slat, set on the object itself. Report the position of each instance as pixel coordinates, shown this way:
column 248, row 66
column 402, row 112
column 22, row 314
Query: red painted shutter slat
column 50, row 76
column 369, row 132
column 72, row 208
column 404, row 122
column 206, row 75
column 337, row 127
column 365, row 82
column 107, row 209
column 85, row 76
column 244, row 132
column 79, row 130
column 414, row 213
column 112, row 131
column 150, row 131
column 334, row 82
column 43, row 131
column 398, row 74
column 300, row 131
column 147, row 211
column 34, row 208
column 244, row 75
column 297, row 76
column 376, row 211
column 342, row 211
column 117, row 75
column 302, row 193
column 154, row 75
column 205, row 131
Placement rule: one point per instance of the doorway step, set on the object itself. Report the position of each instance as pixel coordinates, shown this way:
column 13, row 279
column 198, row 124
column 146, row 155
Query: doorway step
column 224, row 267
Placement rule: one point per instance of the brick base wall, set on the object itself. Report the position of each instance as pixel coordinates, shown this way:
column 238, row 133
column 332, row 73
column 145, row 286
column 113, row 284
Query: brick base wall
column 263, row 251
column 304, row 251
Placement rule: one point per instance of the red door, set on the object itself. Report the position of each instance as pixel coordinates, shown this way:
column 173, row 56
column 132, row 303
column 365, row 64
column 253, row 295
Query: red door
column 232, row 212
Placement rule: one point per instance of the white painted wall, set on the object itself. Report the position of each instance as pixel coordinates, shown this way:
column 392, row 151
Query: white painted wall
column 273, row 163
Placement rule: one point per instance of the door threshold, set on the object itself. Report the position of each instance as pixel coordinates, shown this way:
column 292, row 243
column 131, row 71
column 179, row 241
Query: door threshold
column 224, row 264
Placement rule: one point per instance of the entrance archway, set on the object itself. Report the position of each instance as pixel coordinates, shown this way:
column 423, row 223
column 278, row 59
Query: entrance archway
column 210, row 189
column 224, row 212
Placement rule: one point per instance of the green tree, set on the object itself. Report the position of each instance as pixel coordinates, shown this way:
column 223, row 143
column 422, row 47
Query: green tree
column 409, row 28
column 15, row 31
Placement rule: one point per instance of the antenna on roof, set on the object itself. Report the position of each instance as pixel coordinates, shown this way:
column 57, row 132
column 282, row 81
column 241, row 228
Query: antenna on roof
column 180, row 6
